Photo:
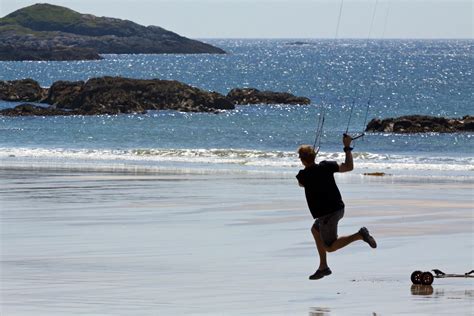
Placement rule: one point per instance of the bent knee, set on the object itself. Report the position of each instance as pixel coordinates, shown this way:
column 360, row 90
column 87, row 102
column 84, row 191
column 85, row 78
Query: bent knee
column 330, row 248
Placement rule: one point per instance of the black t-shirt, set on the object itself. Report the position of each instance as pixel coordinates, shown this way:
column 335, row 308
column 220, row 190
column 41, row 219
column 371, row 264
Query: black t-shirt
column 320, row 188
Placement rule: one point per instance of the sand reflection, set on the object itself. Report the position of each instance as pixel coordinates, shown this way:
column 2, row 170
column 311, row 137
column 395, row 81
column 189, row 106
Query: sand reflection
column 419, row 289
column 430, row 292
column 319, row 311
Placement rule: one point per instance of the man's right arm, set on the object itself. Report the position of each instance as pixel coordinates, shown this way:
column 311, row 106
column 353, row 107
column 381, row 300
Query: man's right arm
column 348, row 164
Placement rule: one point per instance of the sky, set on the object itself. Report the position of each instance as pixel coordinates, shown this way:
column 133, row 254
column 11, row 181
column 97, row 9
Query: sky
column 285, row 18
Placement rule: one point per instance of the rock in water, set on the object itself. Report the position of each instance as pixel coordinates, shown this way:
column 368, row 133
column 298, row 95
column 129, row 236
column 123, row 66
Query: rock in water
column 64, row 93
column 254, row 96
column 25, row 90
column 34, row 110
column 421, row 124
column 114, row 95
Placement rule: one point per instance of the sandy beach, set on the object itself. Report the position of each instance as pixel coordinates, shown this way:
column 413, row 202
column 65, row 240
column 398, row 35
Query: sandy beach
column 97, row 243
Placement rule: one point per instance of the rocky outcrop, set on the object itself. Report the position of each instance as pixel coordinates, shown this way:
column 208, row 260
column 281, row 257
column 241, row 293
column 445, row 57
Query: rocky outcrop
column 35, row 110
column 422, row 124
column 49, row 32
column 114, row 95
column 64, row 94
column 25, row 90
column 254, row 96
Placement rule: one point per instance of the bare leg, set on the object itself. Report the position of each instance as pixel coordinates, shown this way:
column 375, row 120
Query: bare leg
column 323, row 264
column 343, row 241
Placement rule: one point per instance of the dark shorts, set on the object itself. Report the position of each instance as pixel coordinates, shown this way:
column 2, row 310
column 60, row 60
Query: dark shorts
column 327, row 226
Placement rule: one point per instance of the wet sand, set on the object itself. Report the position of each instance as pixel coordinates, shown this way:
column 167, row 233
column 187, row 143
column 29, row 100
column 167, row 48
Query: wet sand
column 92, row 243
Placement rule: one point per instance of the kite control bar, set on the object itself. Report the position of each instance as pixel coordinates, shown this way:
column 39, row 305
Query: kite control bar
column 355, row 137
column 358, row 136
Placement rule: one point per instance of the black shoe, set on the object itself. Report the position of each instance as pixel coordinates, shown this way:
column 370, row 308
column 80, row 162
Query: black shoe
column 364, row 232
column 320, row 274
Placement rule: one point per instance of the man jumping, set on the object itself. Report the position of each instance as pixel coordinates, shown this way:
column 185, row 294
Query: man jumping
column 325, row 203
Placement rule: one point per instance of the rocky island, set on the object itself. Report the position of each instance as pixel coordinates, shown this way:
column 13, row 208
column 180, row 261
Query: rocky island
column 255, row 96
column 50, row 32
column 116, row 95
column 421, row 124
column 109, row 95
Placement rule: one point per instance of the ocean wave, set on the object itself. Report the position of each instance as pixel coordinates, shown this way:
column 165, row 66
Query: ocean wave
column 233, row 157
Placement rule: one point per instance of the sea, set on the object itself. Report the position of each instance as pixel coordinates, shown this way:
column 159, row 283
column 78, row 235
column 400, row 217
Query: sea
column 348, row 81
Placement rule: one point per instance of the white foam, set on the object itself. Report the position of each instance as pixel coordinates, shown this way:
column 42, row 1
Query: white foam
column 235, row 158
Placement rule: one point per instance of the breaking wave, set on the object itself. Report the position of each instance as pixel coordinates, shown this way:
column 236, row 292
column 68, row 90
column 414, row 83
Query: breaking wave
column 232, row 158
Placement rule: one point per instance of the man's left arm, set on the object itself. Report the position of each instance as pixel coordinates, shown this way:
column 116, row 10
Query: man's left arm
column 299, row 176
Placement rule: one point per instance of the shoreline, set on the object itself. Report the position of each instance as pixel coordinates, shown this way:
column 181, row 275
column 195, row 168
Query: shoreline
column 371, row 172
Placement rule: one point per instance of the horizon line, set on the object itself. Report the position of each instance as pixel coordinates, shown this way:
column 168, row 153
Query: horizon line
column 335, row 39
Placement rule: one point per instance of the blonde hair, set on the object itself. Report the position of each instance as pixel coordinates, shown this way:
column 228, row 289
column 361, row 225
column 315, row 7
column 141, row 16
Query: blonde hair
column 307, row 153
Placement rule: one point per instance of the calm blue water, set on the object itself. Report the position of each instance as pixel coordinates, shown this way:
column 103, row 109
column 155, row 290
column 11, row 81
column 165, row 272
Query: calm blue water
column 407, row 77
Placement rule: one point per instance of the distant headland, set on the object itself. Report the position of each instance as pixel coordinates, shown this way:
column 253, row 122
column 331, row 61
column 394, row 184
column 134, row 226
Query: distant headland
column 50, row 32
